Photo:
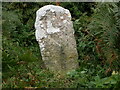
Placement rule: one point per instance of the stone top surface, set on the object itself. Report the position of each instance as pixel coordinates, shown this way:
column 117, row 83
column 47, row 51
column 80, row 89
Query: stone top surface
column 49, row 20
column 42, row 11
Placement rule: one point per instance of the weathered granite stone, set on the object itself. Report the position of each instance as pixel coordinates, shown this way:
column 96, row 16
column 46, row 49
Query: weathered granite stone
column 55, row 35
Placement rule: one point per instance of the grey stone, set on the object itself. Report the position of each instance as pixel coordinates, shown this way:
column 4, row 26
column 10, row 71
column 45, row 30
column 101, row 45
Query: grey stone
column 55, row 35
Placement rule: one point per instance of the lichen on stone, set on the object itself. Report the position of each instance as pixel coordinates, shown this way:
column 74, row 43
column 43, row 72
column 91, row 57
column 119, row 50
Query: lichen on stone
column 55, row 35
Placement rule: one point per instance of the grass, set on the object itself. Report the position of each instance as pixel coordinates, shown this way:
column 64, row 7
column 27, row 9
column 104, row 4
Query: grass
column 33, row 75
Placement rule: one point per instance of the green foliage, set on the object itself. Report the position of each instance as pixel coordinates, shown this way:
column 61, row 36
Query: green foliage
column 84, row 77
column 19, row 42
column 104, row 28
column 85, row 43
column 98, row 36
column 78, row 8
column 92, row 76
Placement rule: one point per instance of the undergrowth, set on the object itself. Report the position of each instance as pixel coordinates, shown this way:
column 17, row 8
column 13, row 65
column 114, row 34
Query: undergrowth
column 31, row 75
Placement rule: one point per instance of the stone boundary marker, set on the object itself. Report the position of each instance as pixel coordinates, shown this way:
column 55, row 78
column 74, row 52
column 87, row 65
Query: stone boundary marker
column 55, row 35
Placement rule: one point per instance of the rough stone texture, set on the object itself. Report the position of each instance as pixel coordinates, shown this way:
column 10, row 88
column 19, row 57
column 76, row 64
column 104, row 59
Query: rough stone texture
column 55, row 35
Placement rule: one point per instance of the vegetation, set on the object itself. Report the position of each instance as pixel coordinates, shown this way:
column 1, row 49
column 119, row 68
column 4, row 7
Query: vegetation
column 97, row 32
